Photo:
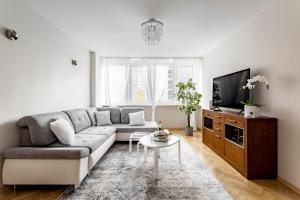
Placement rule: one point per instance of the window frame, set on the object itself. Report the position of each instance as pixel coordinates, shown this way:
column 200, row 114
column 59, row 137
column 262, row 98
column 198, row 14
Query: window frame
column 130, row 63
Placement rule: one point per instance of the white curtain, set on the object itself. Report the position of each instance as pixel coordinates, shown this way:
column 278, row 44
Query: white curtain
column 114, row 79
column 197, row 72
column 151, row 87
column 145, row 81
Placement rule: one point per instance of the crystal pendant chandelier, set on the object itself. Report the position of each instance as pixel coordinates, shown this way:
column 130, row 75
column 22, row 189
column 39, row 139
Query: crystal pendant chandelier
column 152, row 31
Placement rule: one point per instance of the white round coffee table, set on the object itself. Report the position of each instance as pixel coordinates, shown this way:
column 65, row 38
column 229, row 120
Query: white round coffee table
column 148, row 142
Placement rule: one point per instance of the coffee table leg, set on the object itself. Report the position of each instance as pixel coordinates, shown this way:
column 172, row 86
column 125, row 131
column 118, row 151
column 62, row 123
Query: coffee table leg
column 158, row 153
column 130, row 145
column 145, row 153
column 179, row 152
column 156, row 163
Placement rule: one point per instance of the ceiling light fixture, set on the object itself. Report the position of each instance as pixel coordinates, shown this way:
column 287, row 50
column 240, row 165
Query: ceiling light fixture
column 152, row 31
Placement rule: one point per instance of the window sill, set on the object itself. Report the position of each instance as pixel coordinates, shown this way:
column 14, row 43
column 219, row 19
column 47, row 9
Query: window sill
column 148, row 105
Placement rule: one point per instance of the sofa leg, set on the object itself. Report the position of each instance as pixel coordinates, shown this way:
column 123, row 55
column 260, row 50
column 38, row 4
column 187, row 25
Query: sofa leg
column 75, row 187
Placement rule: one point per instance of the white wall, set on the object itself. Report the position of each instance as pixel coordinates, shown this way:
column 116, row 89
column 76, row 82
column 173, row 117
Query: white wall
column 269, row 45
column 171, row 117
column 36, row 74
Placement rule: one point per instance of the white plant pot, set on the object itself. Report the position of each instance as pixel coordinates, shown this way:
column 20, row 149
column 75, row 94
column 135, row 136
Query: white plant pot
column 251, row 111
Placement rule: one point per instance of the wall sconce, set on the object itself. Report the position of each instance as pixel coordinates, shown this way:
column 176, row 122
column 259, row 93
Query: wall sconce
column 74, row 62
column 11, row 34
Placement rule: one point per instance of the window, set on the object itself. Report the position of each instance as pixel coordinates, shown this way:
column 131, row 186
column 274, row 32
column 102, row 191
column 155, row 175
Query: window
column 144, row 80
column 167, row 78
column 138, row 84
column 117, row 78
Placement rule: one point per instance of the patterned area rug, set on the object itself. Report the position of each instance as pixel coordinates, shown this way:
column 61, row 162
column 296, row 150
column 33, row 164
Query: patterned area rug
column 123, row 175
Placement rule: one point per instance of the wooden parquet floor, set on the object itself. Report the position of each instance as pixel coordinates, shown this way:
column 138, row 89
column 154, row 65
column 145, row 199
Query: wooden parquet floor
column 236, row 185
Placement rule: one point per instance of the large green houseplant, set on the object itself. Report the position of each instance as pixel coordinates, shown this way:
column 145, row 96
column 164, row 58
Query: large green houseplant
column 188, row 101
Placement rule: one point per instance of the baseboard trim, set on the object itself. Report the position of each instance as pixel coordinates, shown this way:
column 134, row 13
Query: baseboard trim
column 288, row 184
column 180, row 129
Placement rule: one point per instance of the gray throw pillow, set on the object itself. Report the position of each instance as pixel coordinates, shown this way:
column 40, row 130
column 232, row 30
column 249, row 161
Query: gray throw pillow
column 103, row 118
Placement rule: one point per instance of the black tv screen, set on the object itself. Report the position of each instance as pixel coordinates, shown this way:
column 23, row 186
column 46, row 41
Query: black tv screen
column 227, row 90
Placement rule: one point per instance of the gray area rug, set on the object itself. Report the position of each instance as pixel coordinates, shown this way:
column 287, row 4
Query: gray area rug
column 123, row 175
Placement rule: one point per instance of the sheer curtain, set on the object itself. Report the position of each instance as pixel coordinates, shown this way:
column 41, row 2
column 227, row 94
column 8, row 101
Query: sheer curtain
column 114, row 79
column 145, row 81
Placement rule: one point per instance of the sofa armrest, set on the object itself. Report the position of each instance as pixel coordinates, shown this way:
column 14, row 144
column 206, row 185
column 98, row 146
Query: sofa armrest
column 46, row 153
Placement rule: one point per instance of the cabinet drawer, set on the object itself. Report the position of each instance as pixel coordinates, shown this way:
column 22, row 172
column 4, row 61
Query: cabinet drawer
column 234, row 121
column 218, row 144
column 207, row 113
column 218, row 127
column 219, row 117
column 234, row 155
column 219, row 131
column 217, row 122
column 207, row 137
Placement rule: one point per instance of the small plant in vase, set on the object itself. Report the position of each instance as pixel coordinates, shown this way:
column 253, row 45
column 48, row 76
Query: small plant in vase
column 188, row 101
column 251, row 109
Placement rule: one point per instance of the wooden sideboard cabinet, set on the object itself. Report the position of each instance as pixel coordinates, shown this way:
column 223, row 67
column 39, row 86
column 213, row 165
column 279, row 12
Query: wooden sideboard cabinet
column 247, row 144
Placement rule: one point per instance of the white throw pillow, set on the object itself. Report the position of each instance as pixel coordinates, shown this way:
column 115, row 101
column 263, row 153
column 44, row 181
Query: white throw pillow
column 63, row 131
column 137, row 118
column 103, row 118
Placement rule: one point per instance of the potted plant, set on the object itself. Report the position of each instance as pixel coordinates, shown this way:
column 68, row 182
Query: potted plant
column 188, row 101
column 251, row 109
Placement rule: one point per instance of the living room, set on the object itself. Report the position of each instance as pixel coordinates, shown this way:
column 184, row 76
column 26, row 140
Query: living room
column 129, row 63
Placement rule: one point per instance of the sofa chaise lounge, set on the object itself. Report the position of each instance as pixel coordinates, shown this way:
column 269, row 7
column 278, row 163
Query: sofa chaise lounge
column 41, row 159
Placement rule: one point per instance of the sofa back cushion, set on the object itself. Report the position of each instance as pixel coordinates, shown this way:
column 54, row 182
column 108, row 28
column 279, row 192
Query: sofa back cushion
column 92, row 114
column 24, row 137
column 115, row 114
column 79, row 118
column 39, row 128
column 126, row 111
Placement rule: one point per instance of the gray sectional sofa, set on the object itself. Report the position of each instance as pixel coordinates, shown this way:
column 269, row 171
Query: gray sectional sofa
column 42, row 159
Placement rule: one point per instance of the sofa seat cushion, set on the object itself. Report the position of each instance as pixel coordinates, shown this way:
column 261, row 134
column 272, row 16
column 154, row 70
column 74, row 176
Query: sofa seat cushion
column 150, row 126
column 46, row 153
column 92, row 142
column 79, row 118
column 99, row 130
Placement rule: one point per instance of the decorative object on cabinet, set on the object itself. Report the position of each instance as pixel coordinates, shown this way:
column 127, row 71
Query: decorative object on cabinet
column 251, row 109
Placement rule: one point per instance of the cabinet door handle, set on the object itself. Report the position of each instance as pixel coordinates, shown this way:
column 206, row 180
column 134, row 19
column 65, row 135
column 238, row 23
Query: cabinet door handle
column 218, row 136
column 218, row 122
column 218, row 129
column 219, row 117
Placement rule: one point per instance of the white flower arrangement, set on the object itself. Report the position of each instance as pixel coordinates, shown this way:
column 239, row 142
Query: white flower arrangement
column 251, row 85
column 251, row 82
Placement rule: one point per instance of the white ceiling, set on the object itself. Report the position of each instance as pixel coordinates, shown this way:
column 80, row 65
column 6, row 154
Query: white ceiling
column 112, row 27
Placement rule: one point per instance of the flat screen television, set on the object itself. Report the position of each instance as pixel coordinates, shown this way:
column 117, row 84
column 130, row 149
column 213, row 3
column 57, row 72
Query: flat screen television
column 228, row 92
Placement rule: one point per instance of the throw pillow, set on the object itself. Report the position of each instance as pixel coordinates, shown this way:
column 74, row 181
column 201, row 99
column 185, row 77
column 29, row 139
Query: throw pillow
column 63, row 131
column 103, row 118
column 137, row 118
